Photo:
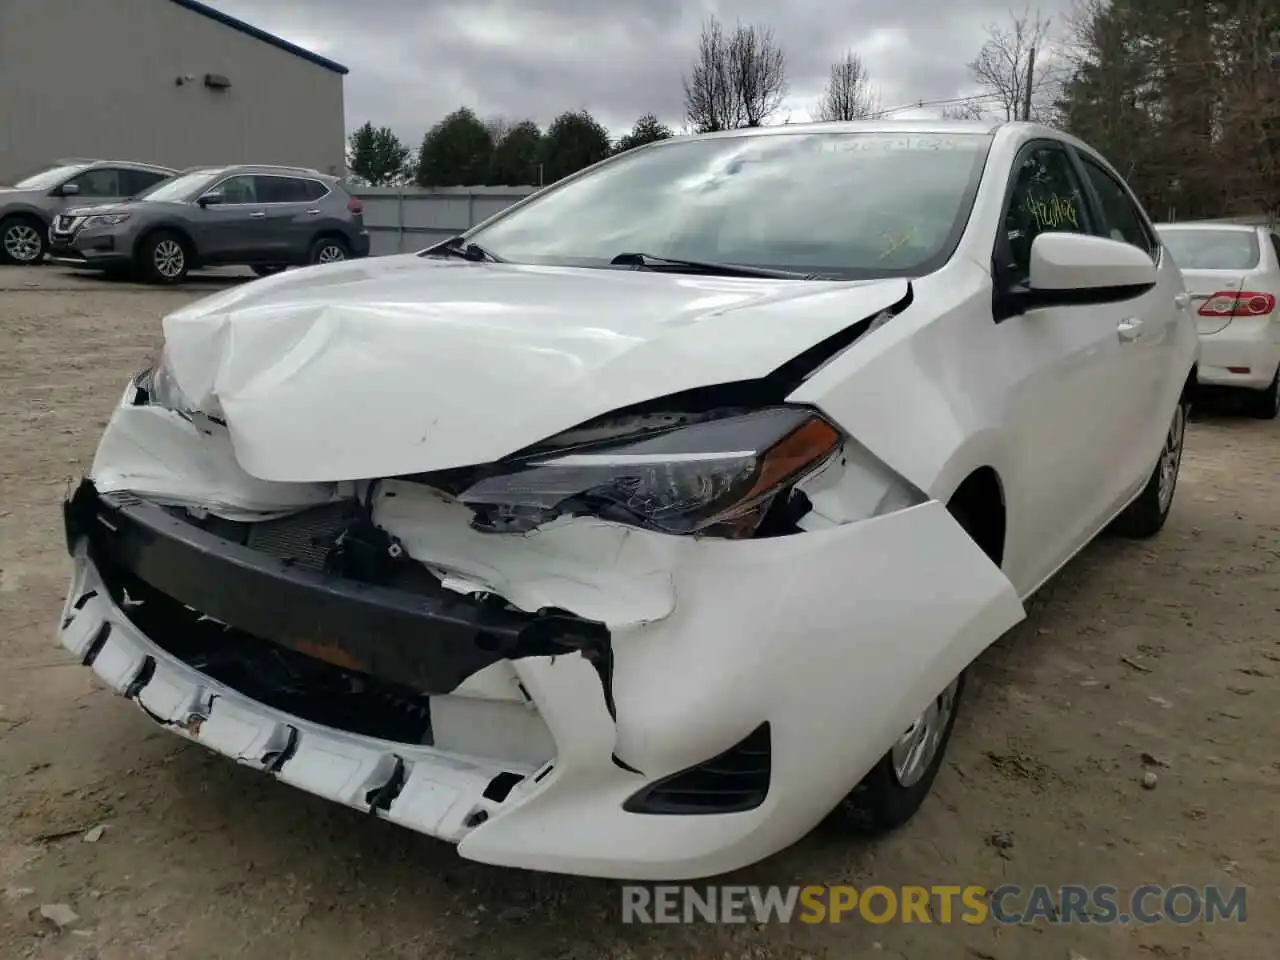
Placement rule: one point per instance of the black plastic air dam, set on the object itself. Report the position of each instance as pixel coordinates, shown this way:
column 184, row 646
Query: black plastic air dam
column 430, row 641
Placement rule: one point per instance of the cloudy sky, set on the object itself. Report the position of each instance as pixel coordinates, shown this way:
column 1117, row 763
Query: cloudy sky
column 412, row 61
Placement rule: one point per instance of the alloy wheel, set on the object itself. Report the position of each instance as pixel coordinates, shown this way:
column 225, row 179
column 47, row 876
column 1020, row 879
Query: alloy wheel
column 917, row 748
column 169, row 259
column 1171, row 457
column 331, row 253
column 22, row 243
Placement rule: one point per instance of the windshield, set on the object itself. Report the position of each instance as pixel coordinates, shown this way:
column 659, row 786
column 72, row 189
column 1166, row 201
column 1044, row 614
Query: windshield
column 850, row 205
column 1213, row 249
column 182, row 187
column 49, row 178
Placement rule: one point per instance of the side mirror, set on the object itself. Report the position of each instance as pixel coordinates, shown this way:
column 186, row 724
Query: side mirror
column 69, row 190
column 1081, row 268
column 212, row 198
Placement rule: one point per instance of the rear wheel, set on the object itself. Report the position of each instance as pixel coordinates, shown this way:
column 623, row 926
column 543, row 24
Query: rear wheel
column 164, row 258
column 1146, row 515
column 22, row 240
column 328, row 250
column 1266, row 405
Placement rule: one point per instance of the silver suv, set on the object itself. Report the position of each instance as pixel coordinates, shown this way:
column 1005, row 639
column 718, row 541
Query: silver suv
column 264, row 217
column 28, row 207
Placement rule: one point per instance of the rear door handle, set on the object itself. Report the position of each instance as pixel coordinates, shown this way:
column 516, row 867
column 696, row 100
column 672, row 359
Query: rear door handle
column 1181, row 301
column 258, row 215
column 1129, row 328
column 313, row 213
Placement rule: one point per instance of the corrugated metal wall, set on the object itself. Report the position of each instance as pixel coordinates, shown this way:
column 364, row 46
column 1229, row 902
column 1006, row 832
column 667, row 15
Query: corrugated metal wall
column 409, row 219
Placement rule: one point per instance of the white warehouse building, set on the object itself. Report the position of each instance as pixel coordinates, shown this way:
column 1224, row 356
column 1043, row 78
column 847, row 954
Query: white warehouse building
column 173, row 82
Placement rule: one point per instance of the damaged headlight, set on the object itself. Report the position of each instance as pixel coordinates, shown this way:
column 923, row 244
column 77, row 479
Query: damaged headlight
column 157, row 386
column 720, row 474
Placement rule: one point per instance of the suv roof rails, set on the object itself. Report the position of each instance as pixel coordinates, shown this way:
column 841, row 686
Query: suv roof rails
column 283, row 167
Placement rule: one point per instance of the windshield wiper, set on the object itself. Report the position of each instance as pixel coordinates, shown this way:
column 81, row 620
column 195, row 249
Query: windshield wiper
column 457, row 247
column 643, row 260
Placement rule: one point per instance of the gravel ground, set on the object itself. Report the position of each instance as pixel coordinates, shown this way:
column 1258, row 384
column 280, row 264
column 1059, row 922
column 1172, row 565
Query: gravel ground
column 1165, row 648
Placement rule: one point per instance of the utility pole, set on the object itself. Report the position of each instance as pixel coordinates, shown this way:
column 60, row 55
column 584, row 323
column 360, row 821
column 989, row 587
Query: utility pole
column 1031, row 76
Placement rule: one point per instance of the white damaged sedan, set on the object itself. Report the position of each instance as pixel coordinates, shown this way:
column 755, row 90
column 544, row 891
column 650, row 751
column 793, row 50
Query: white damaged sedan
column 656, row 518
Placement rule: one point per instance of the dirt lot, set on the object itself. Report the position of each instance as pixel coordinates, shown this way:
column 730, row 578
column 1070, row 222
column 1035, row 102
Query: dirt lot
column 1166, row 648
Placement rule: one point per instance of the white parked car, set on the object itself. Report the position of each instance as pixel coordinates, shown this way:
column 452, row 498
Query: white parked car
column 659, row 516
column 1232, row 272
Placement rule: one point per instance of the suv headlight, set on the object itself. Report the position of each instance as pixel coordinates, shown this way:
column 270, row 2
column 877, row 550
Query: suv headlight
column 105, row 220
column 718, row 476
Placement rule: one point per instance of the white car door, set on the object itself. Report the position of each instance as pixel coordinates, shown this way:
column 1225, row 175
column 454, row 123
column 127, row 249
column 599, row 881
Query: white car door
column 1068, row 370
column 1150, row 379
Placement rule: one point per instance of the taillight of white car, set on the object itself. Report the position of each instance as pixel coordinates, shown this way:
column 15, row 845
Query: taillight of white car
column 1228, row 303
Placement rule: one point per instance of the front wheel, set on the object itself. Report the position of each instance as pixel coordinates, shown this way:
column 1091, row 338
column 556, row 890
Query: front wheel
column 164, row 258
column 22, row 241
column 893, row 791
column 1145, row 516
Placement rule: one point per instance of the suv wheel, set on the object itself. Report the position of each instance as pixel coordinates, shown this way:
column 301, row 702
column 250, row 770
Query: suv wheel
column 22, row 240
column 164, row 258
column 328, row 250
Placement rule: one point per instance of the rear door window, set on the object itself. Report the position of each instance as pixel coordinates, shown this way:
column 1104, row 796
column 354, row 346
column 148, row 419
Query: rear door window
column 1124, row 222
column 315, row 189
column 281, row 190
column 1214, row 249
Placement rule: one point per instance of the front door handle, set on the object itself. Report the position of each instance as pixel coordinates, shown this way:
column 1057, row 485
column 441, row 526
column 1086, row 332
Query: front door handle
column 1129, row 328
column 258, row 215
column 313, row 213
column 1182, row 300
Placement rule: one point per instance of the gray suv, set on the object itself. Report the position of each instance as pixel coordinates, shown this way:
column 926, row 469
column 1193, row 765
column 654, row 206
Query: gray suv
column 28, row 207
column 264, row 217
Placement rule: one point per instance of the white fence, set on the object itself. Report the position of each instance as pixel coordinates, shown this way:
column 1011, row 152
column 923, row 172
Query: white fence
column 404, row 220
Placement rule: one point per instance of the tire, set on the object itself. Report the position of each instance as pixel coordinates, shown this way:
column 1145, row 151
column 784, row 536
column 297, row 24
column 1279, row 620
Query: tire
column 882, row 801
column 23, row 241
column 164, row 257
column 328, row 250
column 1145, row 516
column 267, row 271
column 1266, row 404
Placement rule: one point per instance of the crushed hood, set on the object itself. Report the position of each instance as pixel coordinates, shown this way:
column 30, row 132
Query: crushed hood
column 399, row 365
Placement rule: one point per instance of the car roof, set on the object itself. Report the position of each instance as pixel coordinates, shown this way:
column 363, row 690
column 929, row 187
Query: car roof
column 276, row 169
column 98, row 162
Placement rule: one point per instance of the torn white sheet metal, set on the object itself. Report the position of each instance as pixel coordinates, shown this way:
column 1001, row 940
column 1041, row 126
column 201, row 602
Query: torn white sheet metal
column 162, row 455
column 470, row 362
column 836, row 637
column 601, row 571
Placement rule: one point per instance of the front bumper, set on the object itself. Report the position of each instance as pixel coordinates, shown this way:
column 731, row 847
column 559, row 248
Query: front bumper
column 96, row 247
column 816, row 648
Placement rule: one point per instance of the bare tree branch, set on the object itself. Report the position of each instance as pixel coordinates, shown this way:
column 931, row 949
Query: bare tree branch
column 848, row 95
column 1001, row 66
column 737, row 80
column 759, row 73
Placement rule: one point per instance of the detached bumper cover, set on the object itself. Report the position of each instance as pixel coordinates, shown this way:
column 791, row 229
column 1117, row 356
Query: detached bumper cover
column 430, row 642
